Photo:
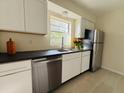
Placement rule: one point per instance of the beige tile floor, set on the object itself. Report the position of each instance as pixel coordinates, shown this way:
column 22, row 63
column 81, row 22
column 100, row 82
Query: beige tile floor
column 102, row 81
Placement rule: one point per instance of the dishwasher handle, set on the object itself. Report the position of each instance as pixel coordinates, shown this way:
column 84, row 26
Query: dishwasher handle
column 46, row 60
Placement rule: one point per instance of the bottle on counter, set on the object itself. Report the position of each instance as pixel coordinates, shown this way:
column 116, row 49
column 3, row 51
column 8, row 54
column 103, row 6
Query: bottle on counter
column 11, row 47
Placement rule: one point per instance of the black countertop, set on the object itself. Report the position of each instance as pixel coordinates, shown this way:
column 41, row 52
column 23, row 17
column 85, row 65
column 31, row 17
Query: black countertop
column 5, row 58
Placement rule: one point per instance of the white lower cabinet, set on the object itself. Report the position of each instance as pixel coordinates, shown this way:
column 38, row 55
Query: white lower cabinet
column 16, row 77
column 75, row 63
column 71, row 64
column 16, row 83
column 85, row 61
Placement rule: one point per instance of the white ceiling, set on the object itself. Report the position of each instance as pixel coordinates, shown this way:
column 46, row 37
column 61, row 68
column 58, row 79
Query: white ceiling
column 60, row 10
column 100, row 6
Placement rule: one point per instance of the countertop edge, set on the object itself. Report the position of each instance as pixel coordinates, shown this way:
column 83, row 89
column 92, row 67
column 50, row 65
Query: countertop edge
column 4, row 58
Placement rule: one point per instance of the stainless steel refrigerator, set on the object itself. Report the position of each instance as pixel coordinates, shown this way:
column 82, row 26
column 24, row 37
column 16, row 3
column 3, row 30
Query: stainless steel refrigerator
column 98, row 43
column 97, row 39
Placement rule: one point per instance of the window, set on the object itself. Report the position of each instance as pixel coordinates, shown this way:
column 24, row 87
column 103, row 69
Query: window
column 60, row 29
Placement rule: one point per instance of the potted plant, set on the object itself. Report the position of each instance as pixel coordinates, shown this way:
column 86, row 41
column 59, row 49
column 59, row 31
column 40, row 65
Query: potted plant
column 78, row 43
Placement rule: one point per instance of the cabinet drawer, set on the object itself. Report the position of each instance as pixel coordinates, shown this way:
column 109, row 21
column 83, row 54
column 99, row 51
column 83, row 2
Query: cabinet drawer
column 71, row 56
column 14, row 67
column 86, row 53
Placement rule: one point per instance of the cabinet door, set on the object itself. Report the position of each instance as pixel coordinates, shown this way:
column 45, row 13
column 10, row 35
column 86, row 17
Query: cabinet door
column 36, row 16
column 78, row 29
column 88, row 24
column 70, row 69
column 85, row 63
column 83, row 27
column 16, row 83
column 85, row 24
column 12, row 15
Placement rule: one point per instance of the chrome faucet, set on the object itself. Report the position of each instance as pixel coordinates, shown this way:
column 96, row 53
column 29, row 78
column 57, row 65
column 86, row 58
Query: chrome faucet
column 62, row 46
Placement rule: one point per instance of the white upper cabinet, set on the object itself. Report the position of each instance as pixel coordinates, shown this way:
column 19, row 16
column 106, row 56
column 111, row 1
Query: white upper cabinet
column 89, row 25
column 78, row 28
column 12, row 15
column 36, row 16
column 86, row 24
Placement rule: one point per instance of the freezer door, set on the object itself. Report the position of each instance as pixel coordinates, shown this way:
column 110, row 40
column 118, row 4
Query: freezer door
column 97, row 56
column 98, row 36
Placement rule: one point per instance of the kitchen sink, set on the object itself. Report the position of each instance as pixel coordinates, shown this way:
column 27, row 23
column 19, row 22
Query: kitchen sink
column 63, row 50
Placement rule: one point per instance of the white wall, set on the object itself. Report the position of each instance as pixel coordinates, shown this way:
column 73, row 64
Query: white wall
column 113, row 26
column 27, row 42
column 24, row 42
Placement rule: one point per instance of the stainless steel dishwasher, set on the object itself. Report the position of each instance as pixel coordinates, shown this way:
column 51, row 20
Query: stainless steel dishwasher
column 47, row 73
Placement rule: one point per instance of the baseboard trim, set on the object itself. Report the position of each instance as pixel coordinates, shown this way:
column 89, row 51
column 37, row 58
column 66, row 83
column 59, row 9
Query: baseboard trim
column 115, row 71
